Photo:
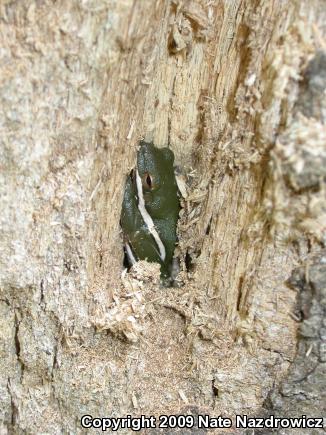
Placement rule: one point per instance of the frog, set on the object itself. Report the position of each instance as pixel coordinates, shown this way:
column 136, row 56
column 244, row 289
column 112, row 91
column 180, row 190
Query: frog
column 150, row 209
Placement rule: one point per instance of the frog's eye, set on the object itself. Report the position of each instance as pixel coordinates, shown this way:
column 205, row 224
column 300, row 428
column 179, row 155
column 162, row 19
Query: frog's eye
column 148, row 181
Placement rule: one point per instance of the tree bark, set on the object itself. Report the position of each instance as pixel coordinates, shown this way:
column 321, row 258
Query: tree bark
column 237, row 90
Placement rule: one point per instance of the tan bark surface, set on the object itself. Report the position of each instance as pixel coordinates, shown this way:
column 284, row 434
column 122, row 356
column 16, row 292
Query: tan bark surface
column 230, row 86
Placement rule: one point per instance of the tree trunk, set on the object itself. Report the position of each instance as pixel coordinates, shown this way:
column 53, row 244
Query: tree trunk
column 237, row 90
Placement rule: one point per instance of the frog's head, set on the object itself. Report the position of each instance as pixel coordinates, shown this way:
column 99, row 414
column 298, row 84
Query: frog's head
column 155, row 168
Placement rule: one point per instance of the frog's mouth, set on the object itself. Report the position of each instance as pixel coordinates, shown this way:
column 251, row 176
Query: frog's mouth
column 147, row 217
column 138, row 187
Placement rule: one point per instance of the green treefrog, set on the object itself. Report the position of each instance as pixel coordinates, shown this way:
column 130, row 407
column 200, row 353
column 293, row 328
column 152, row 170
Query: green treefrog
column 150, row 209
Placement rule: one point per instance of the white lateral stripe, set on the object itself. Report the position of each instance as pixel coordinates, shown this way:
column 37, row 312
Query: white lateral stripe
column 130, row 255
column 147, row 218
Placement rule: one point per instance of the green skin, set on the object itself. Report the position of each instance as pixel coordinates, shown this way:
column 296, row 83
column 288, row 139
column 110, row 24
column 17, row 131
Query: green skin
column 161, row 202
